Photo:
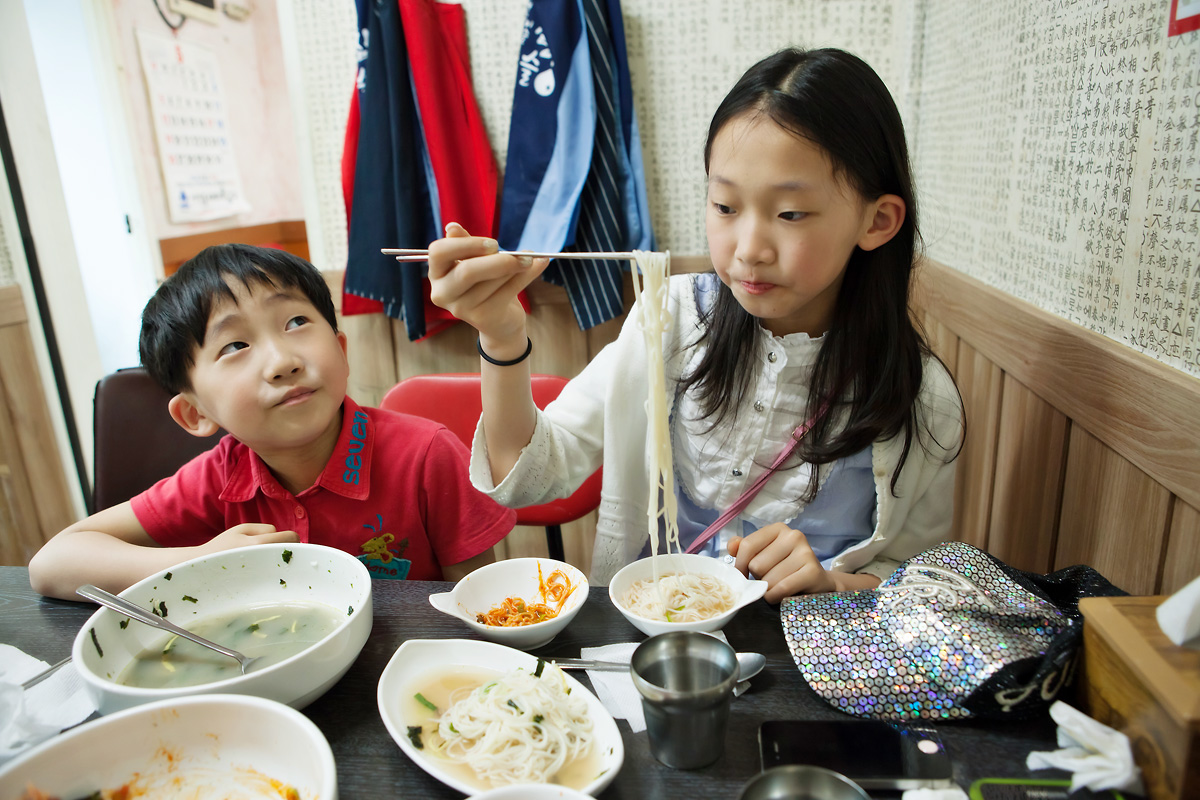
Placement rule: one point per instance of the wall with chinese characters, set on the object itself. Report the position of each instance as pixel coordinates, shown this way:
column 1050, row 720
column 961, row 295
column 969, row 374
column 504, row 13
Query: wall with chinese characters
column 1058, row 157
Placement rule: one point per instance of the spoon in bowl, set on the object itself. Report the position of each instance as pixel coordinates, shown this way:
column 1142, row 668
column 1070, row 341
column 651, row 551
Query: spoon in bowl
column 123, row 606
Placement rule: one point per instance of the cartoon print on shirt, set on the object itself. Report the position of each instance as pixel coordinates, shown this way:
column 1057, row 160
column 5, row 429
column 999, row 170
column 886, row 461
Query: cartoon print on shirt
column 382, row 560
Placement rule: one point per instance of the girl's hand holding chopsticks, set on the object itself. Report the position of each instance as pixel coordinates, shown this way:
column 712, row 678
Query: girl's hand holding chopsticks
column 475, row 282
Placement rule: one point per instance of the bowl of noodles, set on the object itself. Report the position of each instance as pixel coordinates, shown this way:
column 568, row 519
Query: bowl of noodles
column 521, row 602
column 480, row 716
column 681, row 592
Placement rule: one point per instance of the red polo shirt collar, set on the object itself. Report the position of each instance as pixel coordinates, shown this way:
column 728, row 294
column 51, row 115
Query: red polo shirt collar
column 347, row 473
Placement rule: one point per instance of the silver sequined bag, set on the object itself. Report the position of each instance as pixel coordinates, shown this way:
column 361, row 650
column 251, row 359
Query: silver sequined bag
column 952, row 633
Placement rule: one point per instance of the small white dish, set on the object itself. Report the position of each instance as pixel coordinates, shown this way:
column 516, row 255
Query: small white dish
column 418, row 662
column 745, row 591
column 208, row 746
column 488, row 586
column 224, row 583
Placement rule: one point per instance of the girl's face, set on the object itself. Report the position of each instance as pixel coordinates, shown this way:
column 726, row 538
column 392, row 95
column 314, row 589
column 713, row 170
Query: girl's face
column 781, row 225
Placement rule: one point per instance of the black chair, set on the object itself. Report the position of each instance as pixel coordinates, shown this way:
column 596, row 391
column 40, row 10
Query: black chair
column 136, row 441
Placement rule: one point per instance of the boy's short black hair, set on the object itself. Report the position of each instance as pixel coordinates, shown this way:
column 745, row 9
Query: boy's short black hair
column 176, row 317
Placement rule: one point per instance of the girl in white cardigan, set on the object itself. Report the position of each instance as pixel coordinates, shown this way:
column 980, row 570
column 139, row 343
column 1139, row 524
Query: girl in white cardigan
column 811, row 223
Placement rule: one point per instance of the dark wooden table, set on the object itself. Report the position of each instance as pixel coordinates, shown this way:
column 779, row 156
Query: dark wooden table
column 370, row 765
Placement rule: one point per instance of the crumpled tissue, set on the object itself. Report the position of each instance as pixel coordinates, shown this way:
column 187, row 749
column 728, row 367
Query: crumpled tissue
column 1098, row 756
column 616, row 691
column 1179, row 614
column 30, row 716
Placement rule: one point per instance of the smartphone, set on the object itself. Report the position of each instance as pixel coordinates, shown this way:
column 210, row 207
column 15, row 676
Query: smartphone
column 873, row 754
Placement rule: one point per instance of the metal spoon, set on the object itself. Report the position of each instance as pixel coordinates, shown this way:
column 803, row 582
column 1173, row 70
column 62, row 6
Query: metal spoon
column 123, row 606
column 749, row 664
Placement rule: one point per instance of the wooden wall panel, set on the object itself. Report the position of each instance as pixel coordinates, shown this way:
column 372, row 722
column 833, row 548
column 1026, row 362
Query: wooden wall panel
column 290, row 235
column 1114, row 516
column 1030, row 451
column 20, row 536
column 36, row 500
column 980, row 382
column 1138, row 406
column 1182, row 563
column 942, row 341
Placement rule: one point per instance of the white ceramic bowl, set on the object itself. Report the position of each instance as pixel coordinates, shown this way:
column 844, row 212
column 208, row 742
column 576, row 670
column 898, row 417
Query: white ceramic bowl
column 418, row 662
column 227, row 746
column 488, row 586
column 528, row 791
column 745, row 591
column 224, row 583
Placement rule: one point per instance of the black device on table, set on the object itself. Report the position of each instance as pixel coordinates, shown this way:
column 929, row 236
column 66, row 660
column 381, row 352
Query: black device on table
column 873, row 754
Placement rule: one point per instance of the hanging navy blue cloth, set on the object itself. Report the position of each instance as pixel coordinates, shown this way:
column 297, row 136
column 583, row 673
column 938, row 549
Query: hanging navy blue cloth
column 574, row 178
column 553, row 122
column 391, row 204
column 595, row 288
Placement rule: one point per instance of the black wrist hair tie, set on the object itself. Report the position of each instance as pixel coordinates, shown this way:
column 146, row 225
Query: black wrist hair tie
column 517, row 360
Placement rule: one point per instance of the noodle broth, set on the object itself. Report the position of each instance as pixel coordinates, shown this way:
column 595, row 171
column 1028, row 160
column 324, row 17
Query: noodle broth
column 438, row 690
column 274, row 633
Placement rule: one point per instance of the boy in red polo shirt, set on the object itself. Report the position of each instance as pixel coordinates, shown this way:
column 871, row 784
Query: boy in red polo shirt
column 246, row 339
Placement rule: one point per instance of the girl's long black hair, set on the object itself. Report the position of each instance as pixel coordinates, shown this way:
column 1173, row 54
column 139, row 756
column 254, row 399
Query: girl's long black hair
column 869, row 369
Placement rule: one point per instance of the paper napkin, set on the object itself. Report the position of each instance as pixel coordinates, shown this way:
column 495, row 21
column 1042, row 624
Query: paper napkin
column 1098, row 757
column 616, row 690
column 30, row 716
column 1179, row 614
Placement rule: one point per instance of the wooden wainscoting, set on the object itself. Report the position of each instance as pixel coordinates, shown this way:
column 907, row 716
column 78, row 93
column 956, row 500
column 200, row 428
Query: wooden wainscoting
column 1079, row 450
column 35, row 501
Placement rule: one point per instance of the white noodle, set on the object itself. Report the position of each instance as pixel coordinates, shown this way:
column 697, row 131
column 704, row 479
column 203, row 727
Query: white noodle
column 651, row 292
column 517, row 729
column 681, row 597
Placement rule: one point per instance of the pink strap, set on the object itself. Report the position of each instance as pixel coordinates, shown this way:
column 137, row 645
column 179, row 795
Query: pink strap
column 752, row 490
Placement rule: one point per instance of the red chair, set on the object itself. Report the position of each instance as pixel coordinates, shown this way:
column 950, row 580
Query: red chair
column 453, row 399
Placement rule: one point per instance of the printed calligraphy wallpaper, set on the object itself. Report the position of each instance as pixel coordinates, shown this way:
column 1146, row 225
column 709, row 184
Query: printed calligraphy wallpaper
column 1055, row 142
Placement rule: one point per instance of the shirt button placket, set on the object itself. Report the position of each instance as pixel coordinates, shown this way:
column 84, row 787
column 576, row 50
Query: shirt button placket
column 301, row 526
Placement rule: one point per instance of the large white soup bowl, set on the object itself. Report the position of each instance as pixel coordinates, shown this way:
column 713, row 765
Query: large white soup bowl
column 745, row 591
column 225, row 583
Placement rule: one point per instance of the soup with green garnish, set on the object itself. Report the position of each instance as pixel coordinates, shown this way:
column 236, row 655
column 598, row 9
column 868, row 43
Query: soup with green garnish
column 274, row 633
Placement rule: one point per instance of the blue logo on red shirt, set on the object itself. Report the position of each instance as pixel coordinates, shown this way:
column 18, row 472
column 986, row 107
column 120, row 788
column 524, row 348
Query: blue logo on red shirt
column 358, row 440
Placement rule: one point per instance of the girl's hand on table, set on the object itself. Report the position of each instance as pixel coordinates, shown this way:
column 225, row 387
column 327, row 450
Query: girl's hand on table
column 475, row 282
column 783, row 558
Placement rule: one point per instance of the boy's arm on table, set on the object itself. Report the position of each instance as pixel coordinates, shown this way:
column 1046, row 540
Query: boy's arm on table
column 112, row 550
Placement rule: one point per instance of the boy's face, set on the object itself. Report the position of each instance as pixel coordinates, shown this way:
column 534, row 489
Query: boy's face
column 271, row 372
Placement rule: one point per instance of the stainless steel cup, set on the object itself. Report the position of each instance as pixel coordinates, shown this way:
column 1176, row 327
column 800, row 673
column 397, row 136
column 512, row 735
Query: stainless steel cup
column 686, row 680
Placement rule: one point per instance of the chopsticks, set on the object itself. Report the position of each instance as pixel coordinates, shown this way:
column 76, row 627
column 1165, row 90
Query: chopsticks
column 406, row 254
column 46, row 673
